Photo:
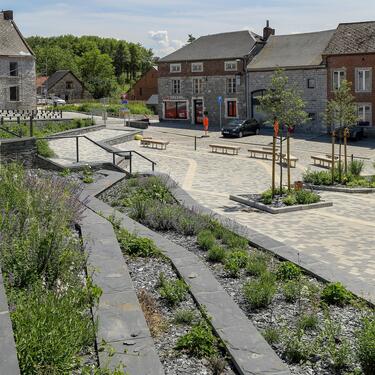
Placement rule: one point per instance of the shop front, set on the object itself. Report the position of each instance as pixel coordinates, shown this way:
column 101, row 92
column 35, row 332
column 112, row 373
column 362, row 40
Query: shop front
column 175, row 109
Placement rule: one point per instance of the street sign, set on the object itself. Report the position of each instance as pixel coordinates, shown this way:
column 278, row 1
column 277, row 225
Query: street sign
column 124, row 101
column 125, row 109
column 219, row 99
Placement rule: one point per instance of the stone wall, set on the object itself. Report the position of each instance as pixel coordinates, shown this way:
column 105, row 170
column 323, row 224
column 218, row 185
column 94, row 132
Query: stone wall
column 25, row 81
column 60, row 89
column 315, row 98
column 22, row 150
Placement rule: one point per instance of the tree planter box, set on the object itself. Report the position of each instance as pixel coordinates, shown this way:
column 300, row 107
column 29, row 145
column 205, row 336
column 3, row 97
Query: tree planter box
column 244, row 199
column 342, row 189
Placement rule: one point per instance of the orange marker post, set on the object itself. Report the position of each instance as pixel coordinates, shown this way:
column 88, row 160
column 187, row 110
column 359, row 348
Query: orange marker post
column 205, row 125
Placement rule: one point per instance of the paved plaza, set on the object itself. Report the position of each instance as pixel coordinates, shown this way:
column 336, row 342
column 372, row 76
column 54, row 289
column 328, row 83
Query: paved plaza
column 341, row 236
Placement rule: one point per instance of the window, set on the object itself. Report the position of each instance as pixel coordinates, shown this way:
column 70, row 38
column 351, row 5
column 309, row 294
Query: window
column 175, row 110
column 365, row 113
column 14, row 94
column 338, row 77
column 140, row 91
column 311, row 83
column 231, row 108
column 197, row 85
column 13, row 69
column 197, row 67
column 176, row 86
column 363, row 79
column 231, row 85
column 175, row 68
column 69, row 85
column 230, row 66
column 312, row 116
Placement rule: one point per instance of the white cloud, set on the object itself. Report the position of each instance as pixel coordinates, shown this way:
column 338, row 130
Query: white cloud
column 164, row 45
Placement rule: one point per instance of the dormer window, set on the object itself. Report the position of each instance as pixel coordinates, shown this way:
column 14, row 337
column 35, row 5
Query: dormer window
column 175, row 68
column 197, row 67
column 230, row 66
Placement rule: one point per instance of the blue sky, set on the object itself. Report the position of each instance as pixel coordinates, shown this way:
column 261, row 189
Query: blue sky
column 164, row 25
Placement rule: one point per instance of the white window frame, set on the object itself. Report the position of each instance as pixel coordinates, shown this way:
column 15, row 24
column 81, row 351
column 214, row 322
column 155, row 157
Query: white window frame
column 363, row 105
column 357, row 80
column 176, row 89
column 197, row 89
column 228, row 66
column 226, row 100
column 195, row 65
column 339, row 71
column 175, row 68
column 231, row 85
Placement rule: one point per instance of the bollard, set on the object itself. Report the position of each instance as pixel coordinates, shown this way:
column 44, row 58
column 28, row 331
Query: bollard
column 352, row 158
column 77, row 149
column 195, row 143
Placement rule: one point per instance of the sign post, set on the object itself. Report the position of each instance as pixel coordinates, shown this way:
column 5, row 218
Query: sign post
column 125, row 109
column 220, row 100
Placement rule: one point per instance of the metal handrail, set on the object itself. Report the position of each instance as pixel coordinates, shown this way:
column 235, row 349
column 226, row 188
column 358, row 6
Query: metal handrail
column 114, row 153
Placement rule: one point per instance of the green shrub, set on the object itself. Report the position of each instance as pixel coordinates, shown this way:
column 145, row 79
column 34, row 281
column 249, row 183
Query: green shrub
column 356, row 167
column 318, row 177
column 233, row 241
column 288, row 271
column 296, row 349
column 307, row 321
column 216, row 254
column 44, row 149
column 336, row 294
column 366, row 345
column 256, row 264
column 292, row 290
column 266, row 197
column 235, row 261
column 65, row 172
column 306, row 197
column 259, row 293
column 272, row 335
column 174, row 291
column 184, row 316
column 87, row 175
column 199, row 341
column 137, row 246
column 290, row 200
column 206, row 239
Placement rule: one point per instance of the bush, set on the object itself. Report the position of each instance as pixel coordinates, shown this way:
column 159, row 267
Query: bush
column 296, row 350
column 174, row 291
column 266, row 197
column 336, row 294
column 256, row 264
column 206, row 239
column 290, row 200
column 288, row 271
column 356, row 167
column 272, row 335
column 216, row 254
column 199, row 341
column 291, row 290
column 307, row 321
column 235, row 261
column 318, row 177
column 306, row 197
column 366, row 345
column 184, row 316
column 44, row 149
column 259, row 293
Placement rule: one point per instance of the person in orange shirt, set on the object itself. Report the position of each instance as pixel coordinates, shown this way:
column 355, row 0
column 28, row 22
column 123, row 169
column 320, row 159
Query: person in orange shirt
column 205, row 125
column 275, row 127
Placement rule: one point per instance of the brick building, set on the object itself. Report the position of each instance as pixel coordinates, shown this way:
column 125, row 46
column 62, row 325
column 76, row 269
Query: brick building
column 17, row 67
column 146, row 86
column 192, row 78
column 350, row 55
column 300, row 55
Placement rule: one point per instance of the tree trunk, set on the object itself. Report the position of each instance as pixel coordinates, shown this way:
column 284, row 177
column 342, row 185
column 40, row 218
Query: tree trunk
column 345, row 150
column 340, row 164
column 288, row 156
column 281, row 159
column 273, row 164
column 333, row 157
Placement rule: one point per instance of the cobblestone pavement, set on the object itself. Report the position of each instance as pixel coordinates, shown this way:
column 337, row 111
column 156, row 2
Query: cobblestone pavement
column 341, row 236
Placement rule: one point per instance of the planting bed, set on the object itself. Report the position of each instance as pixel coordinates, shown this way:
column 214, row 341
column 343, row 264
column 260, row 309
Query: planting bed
column 314, row 328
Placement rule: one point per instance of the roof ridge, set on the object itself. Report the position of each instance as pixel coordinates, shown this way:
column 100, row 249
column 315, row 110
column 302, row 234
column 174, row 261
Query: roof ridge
column 306, row 33
column 355, row 23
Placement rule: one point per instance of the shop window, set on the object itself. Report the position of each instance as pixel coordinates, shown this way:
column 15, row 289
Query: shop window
column 175, row 110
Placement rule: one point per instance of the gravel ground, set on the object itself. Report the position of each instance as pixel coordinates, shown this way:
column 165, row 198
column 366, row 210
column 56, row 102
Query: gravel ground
column 145, row 273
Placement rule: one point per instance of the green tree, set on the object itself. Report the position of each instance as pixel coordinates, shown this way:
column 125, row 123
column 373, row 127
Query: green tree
column 97, row 72
column 283, row 103
column 341, row 114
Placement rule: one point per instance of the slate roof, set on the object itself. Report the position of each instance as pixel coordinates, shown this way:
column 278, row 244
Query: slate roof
column 349, row 38
column 292, row 51
column 57, row 76
column 234, row 44
column 12, row 43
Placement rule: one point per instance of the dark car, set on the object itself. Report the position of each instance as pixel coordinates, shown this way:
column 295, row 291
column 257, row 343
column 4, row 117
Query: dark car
column 356, row 132
column 239, row 128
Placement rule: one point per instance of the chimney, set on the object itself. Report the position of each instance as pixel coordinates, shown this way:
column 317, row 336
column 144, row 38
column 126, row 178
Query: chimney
column 8, row 15
column 268, row 31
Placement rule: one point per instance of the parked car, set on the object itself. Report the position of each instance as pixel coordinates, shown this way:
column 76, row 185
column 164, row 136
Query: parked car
column 356, row 132
column 40, row 100
column 55, row 100
column 240, row 128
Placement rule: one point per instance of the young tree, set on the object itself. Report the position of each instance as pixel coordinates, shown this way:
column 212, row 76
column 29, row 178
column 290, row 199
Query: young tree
column 283, row 103
column 341, row 114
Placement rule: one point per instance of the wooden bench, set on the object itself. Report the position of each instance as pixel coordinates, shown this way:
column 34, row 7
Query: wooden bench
column 292, row 160
column 322, row 161
column 223, row 149
column 269, row 148
column 264, row 154
column 154, row 143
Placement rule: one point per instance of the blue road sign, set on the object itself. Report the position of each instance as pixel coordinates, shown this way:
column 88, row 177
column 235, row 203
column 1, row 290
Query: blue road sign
column 124, row 101
column 219, row 99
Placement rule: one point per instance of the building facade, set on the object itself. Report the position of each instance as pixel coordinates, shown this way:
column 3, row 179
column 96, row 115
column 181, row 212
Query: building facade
column 17, row 67
column 146, row 86
column 207, row 76
column 300, row 56
column 350, row 56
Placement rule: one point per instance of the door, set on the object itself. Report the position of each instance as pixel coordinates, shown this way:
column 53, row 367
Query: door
column 198, row 111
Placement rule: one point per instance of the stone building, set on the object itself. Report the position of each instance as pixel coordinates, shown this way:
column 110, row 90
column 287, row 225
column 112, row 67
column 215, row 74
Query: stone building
column 65, row 85
column 300, row 55
column 17, row 67
column 350, row 55
column 208, row 75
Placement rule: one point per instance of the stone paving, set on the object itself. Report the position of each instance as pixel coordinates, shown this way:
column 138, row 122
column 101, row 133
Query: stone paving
column 341, row 236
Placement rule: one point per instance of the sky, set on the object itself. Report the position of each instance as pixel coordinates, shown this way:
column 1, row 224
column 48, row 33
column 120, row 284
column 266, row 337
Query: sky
column 164, row 25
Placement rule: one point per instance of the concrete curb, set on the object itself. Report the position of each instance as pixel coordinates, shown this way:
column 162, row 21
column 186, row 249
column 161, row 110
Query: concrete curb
column 341, row 189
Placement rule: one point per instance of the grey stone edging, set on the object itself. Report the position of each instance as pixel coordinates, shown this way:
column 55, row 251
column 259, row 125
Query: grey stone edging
column 250, row 352
column 278, row 210
column 8, row 350
column 121, row 322
column 341, row 189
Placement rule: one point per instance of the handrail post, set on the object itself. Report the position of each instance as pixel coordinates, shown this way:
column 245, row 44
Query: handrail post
column 77, row 149
column 114, row 158
column 130, row 162
column 195, row 143
column 153, row 166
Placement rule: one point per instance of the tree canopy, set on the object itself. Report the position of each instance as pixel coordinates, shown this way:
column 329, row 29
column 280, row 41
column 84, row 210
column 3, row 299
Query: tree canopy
column 121, row 62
